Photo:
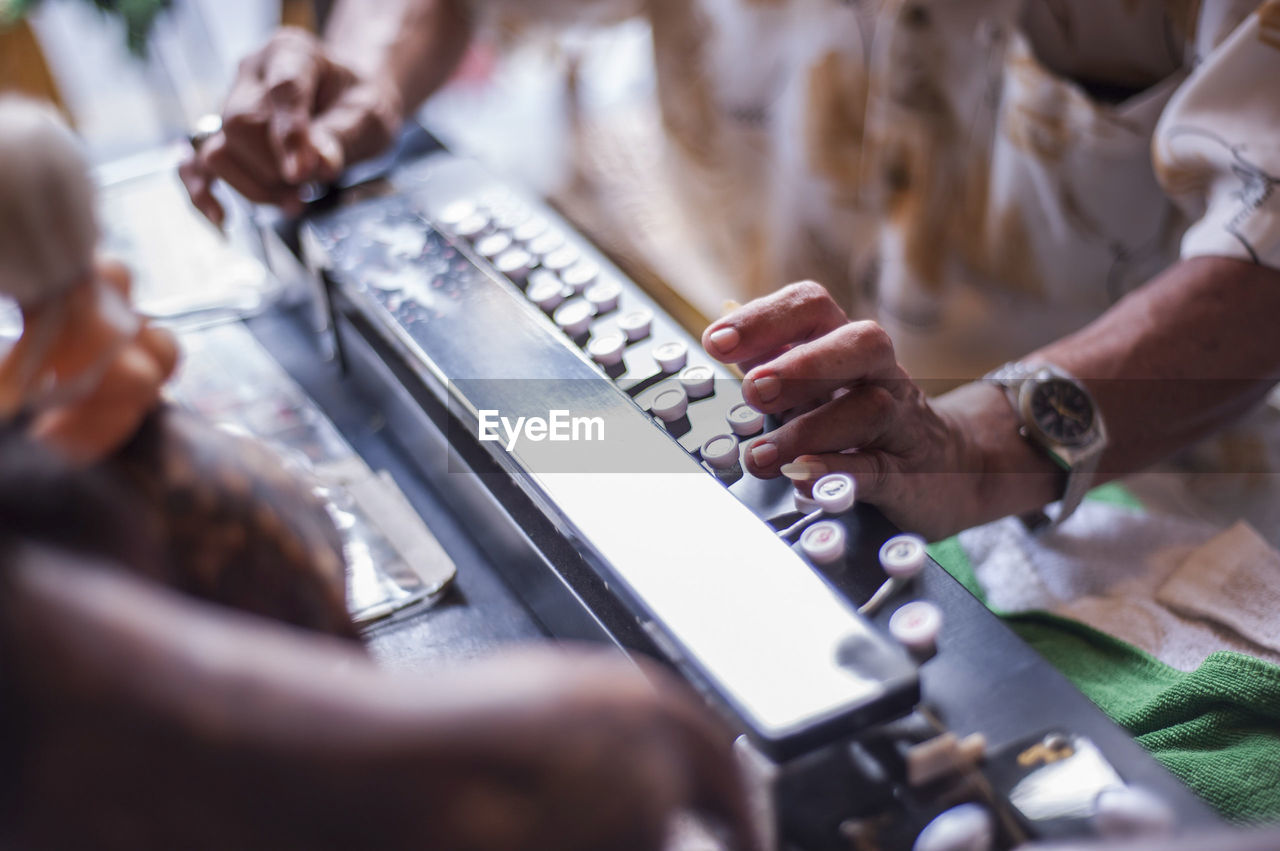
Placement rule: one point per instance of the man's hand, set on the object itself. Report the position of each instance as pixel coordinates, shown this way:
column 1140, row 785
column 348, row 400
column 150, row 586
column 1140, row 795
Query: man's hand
column 852, row 409
column 294, row 115
column 588, row 751
column 176, row 724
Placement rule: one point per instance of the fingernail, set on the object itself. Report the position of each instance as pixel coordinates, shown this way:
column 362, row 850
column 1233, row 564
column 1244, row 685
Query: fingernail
column 767, row 387
column 803, row 471
column 329, row 150
column 763, row 453
column 293, row 167
column 725, row 340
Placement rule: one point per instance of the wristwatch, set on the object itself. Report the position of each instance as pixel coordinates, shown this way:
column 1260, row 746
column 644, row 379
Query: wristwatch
column 1059, row 415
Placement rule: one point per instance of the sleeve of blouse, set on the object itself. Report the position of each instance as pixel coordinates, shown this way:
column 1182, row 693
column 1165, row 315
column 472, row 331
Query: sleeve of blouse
column 1217, row 147
column 555, row 12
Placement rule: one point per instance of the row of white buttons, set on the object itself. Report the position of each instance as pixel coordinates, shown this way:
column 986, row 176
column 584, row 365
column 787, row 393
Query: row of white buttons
column 522, row 241
column 514, row 239
column 564, row 274
column 547, row 286
column 607, row 349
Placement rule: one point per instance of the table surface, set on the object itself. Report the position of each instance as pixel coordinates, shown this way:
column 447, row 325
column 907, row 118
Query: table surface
column 478, row 615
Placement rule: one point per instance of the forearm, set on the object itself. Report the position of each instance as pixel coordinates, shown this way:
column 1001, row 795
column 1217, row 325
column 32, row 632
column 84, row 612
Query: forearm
column 1169, row 364
column 1178, row 359
column 414, row 44
column 167, row 720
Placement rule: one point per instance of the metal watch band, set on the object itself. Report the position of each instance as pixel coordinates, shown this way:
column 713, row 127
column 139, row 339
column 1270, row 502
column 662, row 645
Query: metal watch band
column 1079, row 481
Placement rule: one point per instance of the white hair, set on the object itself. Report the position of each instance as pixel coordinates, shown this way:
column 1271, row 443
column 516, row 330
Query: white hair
column 48, row 229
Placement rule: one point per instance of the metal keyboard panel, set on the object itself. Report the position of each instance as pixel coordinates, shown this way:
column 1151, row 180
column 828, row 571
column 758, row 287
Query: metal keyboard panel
column 634, row 540
column 734, row 605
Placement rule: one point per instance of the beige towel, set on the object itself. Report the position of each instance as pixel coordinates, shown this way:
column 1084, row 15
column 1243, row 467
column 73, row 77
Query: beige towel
column 1233, row 580
column 1108, row 567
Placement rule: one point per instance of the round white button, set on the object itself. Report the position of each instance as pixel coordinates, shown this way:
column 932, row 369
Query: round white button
column 581, row 275
column 670, row 404
column 515, row 263
column 545, row 243
column 1130, row 812
column 604, row 295
column 511, row 216
column 607, row 349
column 903, row 556
column 967, row 827
column 671, row 357
column 392, row 280
column 456, row 212
column 472, row 226
column 493, row 245
column 721, row 452
column 529, row 230
column 561, row 259
column 745, row 420
column 804, row 504
column 574, row 317
column 545, row 289
column 497, row 199
column 823, row 542
column 835, row 492
column 698, row 380
column 636, row 323
column 916, row 625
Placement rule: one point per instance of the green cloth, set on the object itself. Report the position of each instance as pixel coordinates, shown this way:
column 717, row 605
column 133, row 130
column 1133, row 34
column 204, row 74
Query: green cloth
column 1217, row 727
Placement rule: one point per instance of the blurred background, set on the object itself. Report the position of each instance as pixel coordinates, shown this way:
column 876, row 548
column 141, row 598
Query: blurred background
column 133, row 74
column 134, row 77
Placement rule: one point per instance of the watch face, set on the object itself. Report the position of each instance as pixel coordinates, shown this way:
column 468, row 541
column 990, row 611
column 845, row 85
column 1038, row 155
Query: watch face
column 1062, row 411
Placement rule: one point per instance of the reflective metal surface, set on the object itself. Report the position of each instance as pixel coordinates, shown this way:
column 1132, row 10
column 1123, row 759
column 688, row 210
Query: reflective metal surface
column 740, row 611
